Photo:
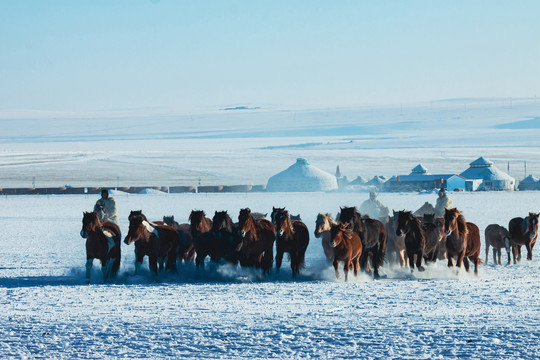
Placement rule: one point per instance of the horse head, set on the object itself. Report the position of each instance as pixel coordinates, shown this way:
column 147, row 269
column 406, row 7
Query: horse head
column 283, row 223
column 275, row 211
column 245, row 222
column 533, row 224
column 351, row 217
column 323, row 223
column 403, row 222
column 338, row 232
column 197, row 220
column 90, row 223
column 222, row 222
column 169, row 220
column 429, row 218
column 139, row 228
column 451, row 220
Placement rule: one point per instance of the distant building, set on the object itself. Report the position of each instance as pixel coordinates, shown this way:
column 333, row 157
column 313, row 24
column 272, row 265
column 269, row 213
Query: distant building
column 492, row 178
column 529, row 183
column 301, row 176
column 421, row 179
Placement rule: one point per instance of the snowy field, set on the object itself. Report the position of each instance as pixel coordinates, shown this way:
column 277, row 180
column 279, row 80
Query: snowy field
column 48, row 311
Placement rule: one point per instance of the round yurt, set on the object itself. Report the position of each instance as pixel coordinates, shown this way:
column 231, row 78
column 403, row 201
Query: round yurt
column 301, row 176
column 529, row 183
column 492, row 178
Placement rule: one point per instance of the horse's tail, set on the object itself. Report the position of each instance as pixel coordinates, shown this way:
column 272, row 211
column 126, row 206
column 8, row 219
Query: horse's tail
column 382, row 245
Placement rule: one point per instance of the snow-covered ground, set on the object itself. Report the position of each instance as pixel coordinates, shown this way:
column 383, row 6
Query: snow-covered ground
column 48, row 311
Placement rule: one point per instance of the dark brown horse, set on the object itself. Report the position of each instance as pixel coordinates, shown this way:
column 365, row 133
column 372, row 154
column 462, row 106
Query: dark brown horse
column 395, row 245
column 257, row 241
column 158, row 242
column 186, row 248
column 323, row 224
column 200, row 227
column 222, row 242
column 523, row 232
column 434, row 234
column 293, row 238
column 103, row 243
column 347, row 248
column 498, row 238
column 372, row 234
column 415, row 239
column 462, row 240
column 275, row 211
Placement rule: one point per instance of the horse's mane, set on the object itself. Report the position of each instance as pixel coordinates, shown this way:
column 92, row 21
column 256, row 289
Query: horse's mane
column 356, row 218
column 416, row 224
column 222, row 215
column 327, row 216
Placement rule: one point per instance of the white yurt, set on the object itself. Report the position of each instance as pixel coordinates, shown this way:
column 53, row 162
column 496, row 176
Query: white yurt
column 529, row 183
column 301, row 176
column 492, row 178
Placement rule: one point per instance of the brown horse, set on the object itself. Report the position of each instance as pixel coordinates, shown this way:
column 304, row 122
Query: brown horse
column 462, row 240
column 497, row 237
column 103, row 243
column 293, row 238
column 395, row 245
column 415, row 239
column 200, row 227
column 158, row 242
column 523, row 232
column 347, row 248
column 275, row 211
column 257, row 241
column 323, row 224
column 372, row 234
column 434, row 233
column 222, row 242
column 186, row 248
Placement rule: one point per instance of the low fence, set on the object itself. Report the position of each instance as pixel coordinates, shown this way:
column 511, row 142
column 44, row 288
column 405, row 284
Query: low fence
column 133, row 189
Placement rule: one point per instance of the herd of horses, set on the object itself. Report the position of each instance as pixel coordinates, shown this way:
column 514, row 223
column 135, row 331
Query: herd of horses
column 359, row 242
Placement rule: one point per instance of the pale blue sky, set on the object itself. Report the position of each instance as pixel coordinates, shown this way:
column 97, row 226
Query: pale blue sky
column 98, row 55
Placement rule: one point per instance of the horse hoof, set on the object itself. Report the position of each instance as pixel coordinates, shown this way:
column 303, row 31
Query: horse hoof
column 421, row 268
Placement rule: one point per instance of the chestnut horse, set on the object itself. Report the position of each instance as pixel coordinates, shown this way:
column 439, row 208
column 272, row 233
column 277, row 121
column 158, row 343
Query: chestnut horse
column 200, row 227
column 293, row 238
column 523, row 232
column 415, row 239
column 257, row 241
column 158, row 242
column 186, row 248
column 323, row 224
column 462, row 240
column 372, row 234
column 497, row 237
column 347, row 248
column 103, row 243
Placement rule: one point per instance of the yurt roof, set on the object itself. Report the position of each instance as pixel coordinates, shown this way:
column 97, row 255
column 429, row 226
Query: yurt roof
column 419, row 169
column 530, row 179
column 301, row 176
column 488, row 172
column 358, row 181
column 481, row 162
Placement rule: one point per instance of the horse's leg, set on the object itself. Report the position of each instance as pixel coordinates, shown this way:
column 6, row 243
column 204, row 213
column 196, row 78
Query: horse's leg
column 356, row 266
column 376, row 262
column 336, row 270
column 519, row 253
column 529, row 251
column 450, row 261
column 153, row 264
column 419, row 257
column 88, row 266
column 347, row 264
column 499, row 253
column 106, row 268
column 363, row 257
column 139, row 257
column 279, row 259
column 466, row 263
column 476, row 261
column 487, row 253
column 410, row 256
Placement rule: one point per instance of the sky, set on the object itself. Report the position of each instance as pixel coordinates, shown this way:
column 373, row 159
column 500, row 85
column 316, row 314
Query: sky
column 92, row 56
